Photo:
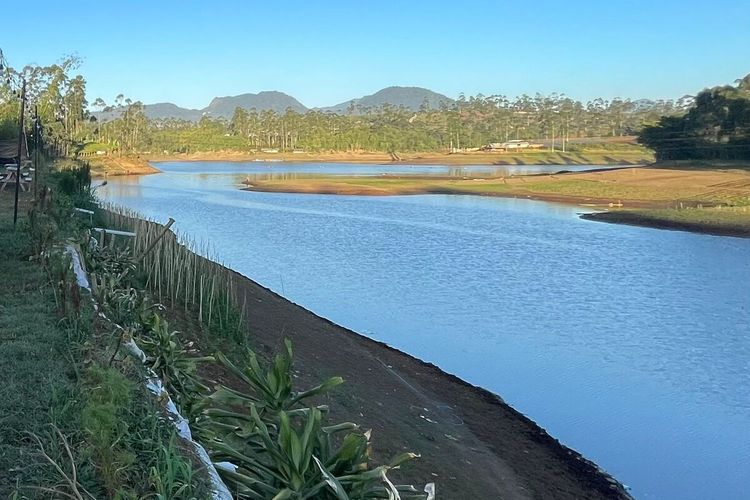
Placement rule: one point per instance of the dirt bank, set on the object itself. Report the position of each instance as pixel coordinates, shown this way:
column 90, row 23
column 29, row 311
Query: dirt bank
column 660, row 220
column 473, row 445
column 126, row 165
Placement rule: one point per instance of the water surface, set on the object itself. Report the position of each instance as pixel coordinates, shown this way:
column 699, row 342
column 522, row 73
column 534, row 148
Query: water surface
column 631, row 345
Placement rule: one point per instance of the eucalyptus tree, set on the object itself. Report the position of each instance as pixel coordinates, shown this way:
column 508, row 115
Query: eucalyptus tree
column 125, row 126
column 57, row 95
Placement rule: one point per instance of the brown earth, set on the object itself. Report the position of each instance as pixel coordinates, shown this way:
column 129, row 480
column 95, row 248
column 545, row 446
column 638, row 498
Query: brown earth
column 126, row 165
column 739, row 227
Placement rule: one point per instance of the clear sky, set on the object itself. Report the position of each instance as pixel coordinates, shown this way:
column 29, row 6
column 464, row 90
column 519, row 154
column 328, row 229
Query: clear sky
column 326, row 52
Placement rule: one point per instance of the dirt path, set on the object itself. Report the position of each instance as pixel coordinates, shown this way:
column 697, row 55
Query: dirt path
column 473, row 445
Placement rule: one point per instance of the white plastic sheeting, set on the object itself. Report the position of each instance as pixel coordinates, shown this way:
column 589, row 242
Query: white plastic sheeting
column 156, row 387
column 154, row 384
column 75, row 262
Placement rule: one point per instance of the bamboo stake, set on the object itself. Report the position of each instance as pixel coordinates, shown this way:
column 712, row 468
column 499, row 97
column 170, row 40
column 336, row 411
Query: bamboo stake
column 153, row 243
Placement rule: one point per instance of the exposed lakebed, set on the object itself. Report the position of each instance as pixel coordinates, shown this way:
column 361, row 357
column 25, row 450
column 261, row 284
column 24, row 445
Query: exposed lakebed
column 631, row 345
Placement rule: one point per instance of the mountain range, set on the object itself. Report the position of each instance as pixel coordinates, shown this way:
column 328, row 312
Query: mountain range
column 411, row 98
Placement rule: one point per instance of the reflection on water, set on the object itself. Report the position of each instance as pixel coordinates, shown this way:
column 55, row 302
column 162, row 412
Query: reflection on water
column 267, row 171
column 280, row 170
column 628, row 344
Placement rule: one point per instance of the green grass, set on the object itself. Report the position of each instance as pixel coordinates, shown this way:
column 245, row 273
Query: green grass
column 58, row 392
column 608, row 190
column 133, row 448
column 37, row 376
column 621, row 155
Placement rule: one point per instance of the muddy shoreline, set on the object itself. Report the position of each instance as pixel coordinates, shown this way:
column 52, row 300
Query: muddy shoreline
column 640, row 220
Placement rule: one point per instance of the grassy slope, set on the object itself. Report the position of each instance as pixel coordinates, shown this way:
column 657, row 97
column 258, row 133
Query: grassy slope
column 36, row 374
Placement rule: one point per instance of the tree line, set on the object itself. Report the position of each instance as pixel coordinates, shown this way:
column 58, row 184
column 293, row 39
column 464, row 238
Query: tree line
column 55, row 94
column 713, row 125
column 716, row 127
column 467, row 123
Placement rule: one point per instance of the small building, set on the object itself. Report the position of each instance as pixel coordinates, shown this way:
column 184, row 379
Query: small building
column 511, row 145
column 517, row 144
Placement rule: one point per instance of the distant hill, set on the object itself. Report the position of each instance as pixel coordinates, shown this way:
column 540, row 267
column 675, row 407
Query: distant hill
column 408, row 97
column 262, row 101
column 169, row 110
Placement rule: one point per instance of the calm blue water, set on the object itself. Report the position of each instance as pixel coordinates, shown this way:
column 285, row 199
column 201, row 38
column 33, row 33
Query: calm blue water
column 631, row 345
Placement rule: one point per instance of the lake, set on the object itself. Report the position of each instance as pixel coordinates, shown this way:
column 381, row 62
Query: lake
column 630, row 345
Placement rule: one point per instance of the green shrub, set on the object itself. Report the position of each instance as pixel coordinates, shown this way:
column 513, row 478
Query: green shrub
column 280, row 445
column 175, row 365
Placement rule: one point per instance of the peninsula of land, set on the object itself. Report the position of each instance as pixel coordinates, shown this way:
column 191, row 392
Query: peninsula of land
column 683, row 197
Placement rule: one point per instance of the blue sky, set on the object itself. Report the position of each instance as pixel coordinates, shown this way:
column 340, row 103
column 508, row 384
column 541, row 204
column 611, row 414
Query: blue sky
column 325, row 52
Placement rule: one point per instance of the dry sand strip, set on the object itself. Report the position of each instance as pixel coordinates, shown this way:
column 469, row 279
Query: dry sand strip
column 473, row 445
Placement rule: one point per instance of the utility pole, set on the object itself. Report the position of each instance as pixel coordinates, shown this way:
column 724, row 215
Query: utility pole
column 20, row 150
column 553, row 136
column 36, row 149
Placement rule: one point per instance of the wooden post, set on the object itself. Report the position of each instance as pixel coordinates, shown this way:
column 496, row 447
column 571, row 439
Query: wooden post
column 20, row 148
column 156, row 240
column 36, row 149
